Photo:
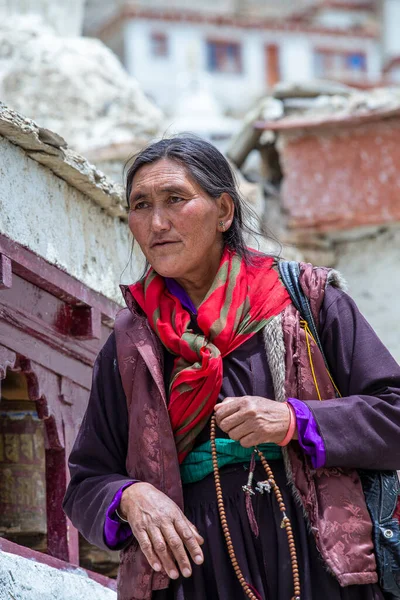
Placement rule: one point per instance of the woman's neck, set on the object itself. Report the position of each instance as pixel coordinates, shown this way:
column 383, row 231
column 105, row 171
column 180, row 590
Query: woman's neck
column 198, row 286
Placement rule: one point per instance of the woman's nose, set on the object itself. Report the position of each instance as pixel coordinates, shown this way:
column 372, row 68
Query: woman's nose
column 159, row 221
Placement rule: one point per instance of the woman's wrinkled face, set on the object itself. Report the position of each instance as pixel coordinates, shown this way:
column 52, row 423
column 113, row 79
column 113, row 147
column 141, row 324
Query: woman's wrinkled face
column 175, row 223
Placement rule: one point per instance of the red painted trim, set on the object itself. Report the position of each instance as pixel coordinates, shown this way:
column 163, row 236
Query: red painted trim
column 272, row 64
column 326, row 122
column 267, row 24
column 341, row 51
column 55, row 563
column 46, row 327
column 350, row 6
column 224, row 40
column 27, row 344
column 46, row 276
column 62, row 537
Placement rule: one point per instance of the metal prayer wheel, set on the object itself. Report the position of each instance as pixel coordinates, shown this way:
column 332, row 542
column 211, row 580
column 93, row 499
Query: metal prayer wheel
column 22, row 474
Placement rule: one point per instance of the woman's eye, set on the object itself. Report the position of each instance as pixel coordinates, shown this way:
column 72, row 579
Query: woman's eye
column 175, row 199
column 139, row 205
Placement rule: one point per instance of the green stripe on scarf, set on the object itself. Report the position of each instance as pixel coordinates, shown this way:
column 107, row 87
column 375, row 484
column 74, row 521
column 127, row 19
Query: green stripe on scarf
column 198, row 463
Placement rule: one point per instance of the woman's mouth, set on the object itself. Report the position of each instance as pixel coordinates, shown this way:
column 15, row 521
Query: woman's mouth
column 162, row 243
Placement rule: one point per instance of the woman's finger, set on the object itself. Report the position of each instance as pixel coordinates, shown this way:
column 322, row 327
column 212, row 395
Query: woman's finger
column 177, row 548
column 161, row 549
column 199, row 537
column 191, row 538
column 249, row 440
column 147, row 548
column 244, row 429
column 228, row 407
column 226, row 423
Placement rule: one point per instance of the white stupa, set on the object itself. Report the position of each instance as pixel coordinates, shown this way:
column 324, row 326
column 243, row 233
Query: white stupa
column 73, row 85
column 197, row 110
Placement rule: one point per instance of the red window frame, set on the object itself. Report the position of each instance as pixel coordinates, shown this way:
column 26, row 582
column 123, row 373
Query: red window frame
column 223, row 54
column 159, row 46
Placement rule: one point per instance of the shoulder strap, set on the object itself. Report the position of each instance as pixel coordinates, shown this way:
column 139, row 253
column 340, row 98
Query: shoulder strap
column 289, row 272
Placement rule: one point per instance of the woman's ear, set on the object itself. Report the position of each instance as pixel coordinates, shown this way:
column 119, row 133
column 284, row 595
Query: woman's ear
column 226, row 210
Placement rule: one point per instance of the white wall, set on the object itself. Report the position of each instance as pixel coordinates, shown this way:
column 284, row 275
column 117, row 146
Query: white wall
column 45, row 214
column 342, row 19
column 297, row 58
column 395, row 75
column 372, row 268
column 391, row 23
column 24, row 579
column 162, row 78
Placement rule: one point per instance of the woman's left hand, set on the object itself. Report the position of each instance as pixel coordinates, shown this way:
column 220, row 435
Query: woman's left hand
column 252, row 420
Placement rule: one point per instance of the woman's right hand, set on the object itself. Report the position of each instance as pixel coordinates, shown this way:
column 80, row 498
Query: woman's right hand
column 161, row 529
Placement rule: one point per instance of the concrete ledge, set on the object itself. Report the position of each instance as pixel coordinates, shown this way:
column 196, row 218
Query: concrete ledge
column 29, row 575
column 51, row 150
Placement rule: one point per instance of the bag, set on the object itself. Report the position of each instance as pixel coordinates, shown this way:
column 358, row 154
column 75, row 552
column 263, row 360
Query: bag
column 381, row 488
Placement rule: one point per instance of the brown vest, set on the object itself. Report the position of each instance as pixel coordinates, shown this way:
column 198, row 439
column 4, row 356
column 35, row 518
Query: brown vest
column 332, row 499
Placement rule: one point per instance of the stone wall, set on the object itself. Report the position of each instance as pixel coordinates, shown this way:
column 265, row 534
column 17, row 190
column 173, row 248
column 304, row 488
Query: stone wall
column 371, row 266
column 342, row 176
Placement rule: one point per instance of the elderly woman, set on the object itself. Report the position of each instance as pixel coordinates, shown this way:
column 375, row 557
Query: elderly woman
column 214, row 451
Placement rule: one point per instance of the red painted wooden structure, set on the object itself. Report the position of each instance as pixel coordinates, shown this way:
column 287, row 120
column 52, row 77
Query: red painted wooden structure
column 51, row 329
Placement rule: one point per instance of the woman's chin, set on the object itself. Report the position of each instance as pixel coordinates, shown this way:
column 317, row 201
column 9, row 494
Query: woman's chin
column 166, row 270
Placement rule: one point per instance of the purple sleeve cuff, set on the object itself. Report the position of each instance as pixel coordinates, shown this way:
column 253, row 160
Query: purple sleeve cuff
column 115, row 532
column 308, row 434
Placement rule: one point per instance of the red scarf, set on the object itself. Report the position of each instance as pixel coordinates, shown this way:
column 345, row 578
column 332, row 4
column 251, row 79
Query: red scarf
column 239, row 303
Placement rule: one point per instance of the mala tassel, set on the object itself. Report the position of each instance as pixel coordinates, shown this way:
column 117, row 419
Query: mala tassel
column 248, row 490
column 251, row 515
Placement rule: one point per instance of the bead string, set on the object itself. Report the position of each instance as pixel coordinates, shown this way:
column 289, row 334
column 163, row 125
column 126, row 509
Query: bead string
column 286, row 524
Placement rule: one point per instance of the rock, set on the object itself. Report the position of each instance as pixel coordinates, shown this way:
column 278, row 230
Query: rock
column 75, row 86
column 248, row 137
column 310, row 89
column 50, row 137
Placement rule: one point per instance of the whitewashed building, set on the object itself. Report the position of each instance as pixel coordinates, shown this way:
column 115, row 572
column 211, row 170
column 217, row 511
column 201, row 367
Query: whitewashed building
column 244, row 47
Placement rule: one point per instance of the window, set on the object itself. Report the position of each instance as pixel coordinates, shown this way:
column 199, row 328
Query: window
column 224, row 57
column 356, row 61
column 158, row 44
column 339, row 64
